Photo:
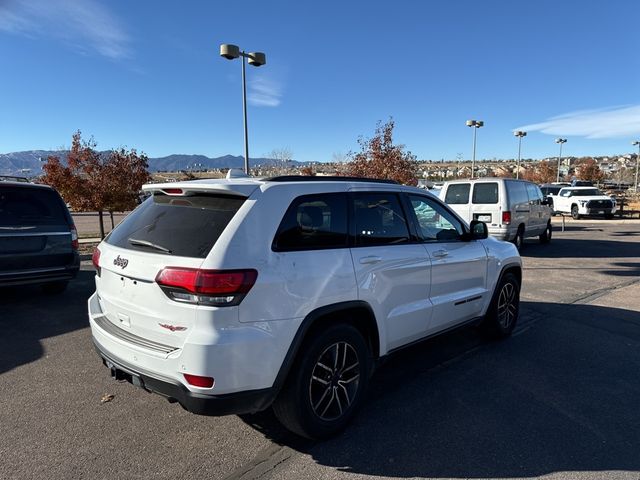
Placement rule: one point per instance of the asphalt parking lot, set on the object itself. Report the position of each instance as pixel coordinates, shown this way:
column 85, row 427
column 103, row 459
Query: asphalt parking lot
column 560, row 399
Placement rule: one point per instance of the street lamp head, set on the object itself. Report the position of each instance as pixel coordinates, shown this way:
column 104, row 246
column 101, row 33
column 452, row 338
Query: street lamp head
column 229, row 51
column 520, row 133
column 471, row 123
column 561, row 140
column 479, row 124
column 257, row 59
column 635, row 143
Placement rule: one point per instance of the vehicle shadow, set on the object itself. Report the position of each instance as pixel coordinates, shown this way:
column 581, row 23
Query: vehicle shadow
column 559, row 396
column 582, row 248
column 28, row 315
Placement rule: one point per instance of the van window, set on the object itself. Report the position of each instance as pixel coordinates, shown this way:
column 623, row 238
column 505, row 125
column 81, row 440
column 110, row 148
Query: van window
column 517, row 192
column 485, row 193
column 457, row 193
column 314, row 222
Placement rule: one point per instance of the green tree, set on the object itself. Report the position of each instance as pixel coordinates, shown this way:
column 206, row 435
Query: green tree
column 380, row 158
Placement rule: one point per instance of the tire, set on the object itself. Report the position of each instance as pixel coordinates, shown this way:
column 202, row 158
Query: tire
column 325, row 390
column 574, row 212
column 55, row 287
column 518, row 241
column 502, row 315
column 608, row 216
column 546, row 235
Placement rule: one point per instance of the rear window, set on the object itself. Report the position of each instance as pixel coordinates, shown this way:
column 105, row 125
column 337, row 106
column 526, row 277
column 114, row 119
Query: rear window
column 20, row 206
column 183, row 226
column 485, row 193
column 457, row 193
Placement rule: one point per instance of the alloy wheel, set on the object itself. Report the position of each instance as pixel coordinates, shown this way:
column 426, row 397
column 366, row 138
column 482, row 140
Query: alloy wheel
column 507, row 307
column 334, row 381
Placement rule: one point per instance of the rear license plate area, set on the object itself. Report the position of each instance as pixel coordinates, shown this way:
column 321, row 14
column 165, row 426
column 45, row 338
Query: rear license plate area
column 482, row 217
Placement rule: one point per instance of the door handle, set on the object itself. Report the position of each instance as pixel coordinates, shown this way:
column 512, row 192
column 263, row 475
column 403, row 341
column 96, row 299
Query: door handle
column 440, row 253
column 370, row 259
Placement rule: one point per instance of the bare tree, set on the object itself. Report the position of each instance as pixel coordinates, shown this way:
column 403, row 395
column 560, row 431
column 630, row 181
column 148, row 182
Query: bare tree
column 282, row 158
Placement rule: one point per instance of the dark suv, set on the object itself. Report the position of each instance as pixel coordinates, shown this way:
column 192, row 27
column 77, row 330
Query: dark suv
column 38, row 241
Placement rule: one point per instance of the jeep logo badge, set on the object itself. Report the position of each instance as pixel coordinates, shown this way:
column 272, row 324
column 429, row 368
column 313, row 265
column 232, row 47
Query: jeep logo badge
column 121, row 262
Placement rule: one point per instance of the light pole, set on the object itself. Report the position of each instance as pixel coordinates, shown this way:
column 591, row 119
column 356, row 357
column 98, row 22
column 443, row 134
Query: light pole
column 257, row 59
column 475, row 124
column 560, row 141
column 519, row 134
column 635, row 186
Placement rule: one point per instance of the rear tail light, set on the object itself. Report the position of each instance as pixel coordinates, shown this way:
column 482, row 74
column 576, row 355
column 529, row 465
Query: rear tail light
column 95, row 259
column 198, row 381
column 74, row 238
column 506, row 218
column 219, row 288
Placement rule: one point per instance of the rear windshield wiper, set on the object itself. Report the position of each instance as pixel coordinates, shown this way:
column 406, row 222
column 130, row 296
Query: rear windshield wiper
column 145, row 243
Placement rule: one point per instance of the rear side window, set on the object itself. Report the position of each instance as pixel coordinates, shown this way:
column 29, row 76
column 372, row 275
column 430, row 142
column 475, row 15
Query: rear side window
column 378, row 219
column 20, row 206
column 517, row 193
column 457, row 193
column 534, row 193
column 186, row 226
column 314, row 222
column 485, row 193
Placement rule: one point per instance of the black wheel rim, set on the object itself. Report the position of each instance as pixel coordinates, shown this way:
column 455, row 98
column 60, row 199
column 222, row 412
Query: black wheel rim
column 507, row 305
column 334, row 381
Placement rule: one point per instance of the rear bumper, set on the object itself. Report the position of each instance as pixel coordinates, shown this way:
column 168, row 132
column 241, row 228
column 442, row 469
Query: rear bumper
column 41, row 275
column 249, row 401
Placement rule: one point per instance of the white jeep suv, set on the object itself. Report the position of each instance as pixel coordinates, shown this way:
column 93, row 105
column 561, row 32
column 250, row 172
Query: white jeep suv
column 231, row 296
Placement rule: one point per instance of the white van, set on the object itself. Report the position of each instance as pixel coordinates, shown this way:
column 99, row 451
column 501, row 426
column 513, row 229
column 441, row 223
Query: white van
column 512, row 209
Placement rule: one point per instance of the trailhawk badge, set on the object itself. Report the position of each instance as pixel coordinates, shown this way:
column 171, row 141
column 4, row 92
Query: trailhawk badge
column 121, row 262
column 173, row 328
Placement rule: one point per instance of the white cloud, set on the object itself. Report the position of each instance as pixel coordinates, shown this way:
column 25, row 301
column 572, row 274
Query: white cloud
column 264, row 92
column 610, row 122
column 86, row 25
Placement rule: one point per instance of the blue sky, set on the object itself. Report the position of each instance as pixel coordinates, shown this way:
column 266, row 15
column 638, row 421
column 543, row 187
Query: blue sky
column 147, row 74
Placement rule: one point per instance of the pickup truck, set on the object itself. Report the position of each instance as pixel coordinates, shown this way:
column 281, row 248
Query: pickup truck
column 579, row 201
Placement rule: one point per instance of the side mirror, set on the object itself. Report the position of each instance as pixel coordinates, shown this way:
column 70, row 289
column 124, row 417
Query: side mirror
column 546, row 201
column 479, row 230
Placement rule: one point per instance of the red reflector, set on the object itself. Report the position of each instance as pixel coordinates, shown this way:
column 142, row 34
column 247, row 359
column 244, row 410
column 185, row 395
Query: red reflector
column 95, row 259
column 198, row 381
column 172, row 191
column 506, row 217
column 74, row 238
column 210, row 282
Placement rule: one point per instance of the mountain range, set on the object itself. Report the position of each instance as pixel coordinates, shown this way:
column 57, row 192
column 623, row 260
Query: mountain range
column 29, row 163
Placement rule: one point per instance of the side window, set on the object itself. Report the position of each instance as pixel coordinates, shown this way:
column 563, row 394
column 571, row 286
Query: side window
column 532, row 192
column 435, row 223
column 539, row 193
column 314, row 222
column 485, row 193
column 457, row 193
column 378, row 219
column 517, row 193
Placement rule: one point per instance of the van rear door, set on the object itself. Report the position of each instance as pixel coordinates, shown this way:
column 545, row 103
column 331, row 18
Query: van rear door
column 484, row 203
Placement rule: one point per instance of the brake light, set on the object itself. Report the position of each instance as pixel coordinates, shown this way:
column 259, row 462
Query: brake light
column 95, row 259
column 506, row 218
column 206, row 287
column 198, row 381
column 74, row 238
column 172, row 191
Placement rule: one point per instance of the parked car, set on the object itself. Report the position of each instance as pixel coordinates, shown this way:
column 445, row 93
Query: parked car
column 579, row 201
column 548, row 191
column 38, row 241
column 581, row 183
column 512, row 209
column 230, row 296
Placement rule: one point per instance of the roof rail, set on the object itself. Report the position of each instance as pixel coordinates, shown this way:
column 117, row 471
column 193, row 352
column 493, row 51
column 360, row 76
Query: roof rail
column 327, row 178
column 13, row 178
